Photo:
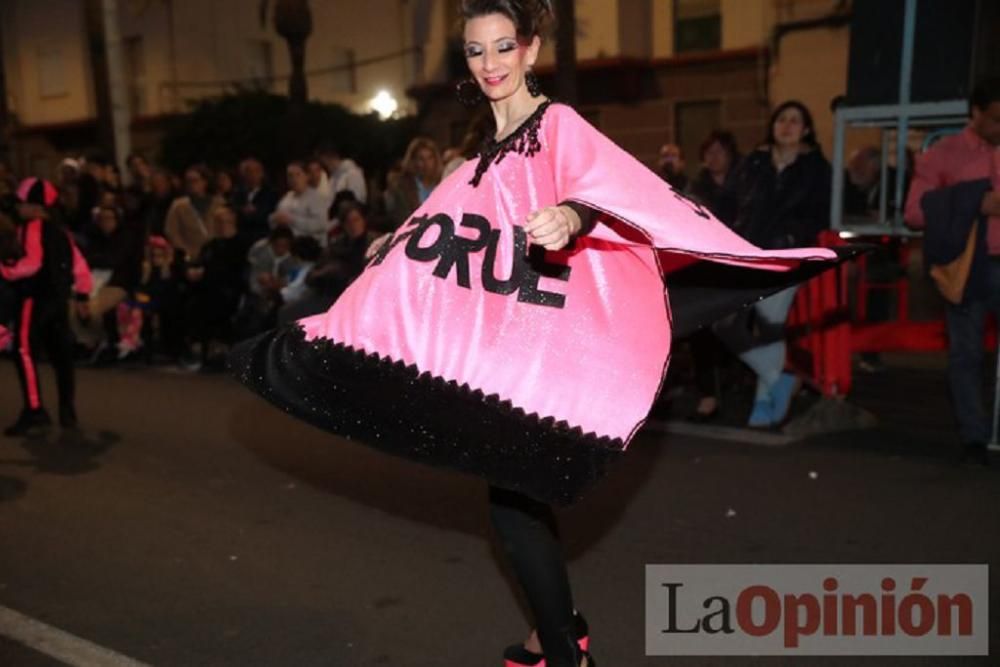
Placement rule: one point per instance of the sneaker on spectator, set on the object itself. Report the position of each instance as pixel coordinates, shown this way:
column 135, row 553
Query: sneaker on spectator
column 871, row 362
column 98, row 354
column 190, row 361
column 106, row 355
column 782, row 394
column 762, row 415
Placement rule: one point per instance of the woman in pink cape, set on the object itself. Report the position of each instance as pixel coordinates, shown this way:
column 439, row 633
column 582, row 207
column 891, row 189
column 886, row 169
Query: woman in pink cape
column 517, row 326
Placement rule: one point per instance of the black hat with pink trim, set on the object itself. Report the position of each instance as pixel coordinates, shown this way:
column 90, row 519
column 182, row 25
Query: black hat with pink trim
column 37, row 191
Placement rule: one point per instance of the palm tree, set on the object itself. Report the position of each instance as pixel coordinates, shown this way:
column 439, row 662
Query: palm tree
column 293, row 21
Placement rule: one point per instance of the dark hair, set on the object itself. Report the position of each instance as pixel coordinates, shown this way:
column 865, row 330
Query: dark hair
column 97, row 158
column 281, row 232
column 114, row 211
column 985, row 93
column 10, row 247
column 306, row 248
column 809, row 138
column 342, row 198
column 347, row 207
column 531, row 18
column 8, row 205
column 328, row 149
column 206, row 174
column 225, row 205
column 725, row 139
column 480, row 128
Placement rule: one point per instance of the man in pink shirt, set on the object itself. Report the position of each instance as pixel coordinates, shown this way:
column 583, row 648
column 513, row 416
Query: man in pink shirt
column 972, row 155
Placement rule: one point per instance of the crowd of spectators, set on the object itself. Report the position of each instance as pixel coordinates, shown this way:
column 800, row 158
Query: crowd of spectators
column 776, row 195
column 185, row 264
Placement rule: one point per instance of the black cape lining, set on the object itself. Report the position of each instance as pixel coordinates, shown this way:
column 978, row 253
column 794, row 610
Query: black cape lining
column 397, row 409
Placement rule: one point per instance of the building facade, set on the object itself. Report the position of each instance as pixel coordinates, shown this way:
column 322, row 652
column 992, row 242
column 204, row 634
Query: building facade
column 656, row 71
column 650, row 71
column 175, row 52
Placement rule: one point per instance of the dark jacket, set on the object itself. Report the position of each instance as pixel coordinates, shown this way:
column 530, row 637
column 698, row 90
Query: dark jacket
column 720, row 200
column 782, row 210
column 154, row 214
column 49, row 266
column 120, row 253
column 950, row 213
column 224, row 261
column 342, row 262
column 254, row 226
column 859, row 203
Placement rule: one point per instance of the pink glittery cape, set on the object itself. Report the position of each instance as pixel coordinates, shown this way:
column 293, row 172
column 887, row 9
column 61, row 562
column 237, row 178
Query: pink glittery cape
column 462, row 346
column 581, row 336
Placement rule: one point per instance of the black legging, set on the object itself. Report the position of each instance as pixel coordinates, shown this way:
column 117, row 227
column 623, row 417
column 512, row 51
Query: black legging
column 527, row 530
column 706, row 353
column 43, row 324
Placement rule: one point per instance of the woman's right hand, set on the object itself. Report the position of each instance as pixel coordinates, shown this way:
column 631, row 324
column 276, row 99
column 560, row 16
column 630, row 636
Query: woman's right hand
column 376, row 245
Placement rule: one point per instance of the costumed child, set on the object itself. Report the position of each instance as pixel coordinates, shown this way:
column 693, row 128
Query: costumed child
column 48, row 273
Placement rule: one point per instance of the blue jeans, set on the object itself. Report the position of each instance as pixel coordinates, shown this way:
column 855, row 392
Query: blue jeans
column 966, row 325
column 757, row 336
column 768, row 360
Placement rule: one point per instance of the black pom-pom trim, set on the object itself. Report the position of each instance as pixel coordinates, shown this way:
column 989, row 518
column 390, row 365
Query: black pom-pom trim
column 397, row 409
column 523, row 141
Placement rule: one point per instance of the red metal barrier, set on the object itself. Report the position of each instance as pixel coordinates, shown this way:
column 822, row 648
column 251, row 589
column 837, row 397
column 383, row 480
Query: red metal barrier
column 822, row 336
column 820, row 328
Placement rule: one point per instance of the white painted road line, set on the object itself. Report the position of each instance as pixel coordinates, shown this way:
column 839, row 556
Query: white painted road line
column 57, row 644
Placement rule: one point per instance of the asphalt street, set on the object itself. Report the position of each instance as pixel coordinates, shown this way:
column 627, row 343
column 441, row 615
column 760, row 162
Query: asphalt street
column 192, row 524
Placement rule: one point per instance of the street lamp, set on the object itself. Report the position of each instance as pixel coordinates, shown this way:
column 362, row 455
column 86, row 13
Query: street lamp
column 384, row 104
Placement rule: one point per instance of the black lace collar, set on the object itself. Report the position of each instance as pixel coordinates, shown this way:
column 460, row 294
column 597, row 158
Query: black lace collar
column 523, row 140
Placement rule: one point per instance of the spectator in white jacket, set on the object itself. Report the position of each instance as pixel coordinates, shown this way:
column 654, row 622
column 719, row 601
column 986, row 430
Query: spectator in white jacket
column 343, row 174
column 302, row 209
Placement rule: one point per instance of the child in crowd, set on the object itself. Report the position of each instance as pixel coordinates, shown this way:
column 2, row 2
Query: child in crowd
column 151, row 316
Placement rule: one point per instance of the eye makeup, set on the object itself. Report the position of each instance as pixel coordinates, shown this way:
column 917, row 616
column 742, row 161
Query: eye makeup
column 504, row 45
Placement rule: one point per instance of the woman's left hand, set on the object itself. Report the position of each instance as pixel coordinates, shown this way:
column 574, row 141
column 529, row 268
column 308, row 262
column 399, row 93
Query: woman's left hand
column 553, row 227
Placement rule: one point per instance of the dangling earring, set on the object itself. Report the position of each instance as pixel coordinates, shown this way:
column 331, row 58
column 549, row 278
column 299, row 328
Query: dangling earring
column 469, row 93
column 531, row 81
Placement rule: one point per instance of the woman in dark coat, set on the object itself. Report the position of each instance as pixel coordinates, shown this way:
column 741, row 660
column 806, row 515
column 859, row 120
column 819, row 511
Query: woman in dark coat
column 783, row 199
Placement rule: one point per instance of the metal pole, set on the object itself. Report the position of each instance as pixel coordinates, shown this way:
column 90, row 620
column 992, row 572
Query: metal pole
column 905, row 76
column 172, row 54
column 837, row 202
column 996, row 402
column 120, row 115
column 883, row 179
